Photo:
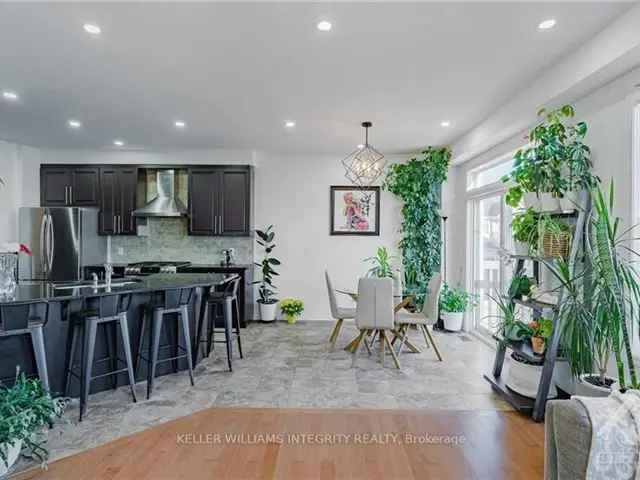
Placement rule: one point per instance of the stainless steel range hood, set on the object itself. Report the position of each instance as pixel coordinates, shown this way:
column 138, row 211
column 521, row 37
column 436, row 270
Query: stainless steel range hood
column 166, row 203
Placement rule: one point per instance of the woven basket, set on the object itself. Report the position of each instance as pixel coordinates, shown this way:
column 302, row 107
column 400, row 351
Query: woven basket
column 555, row 245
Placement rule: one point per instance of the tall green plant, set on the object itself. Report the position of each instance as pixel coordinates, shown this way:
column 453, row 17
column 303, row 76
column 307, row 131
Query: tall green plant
column 418, row 184
column 267, row 289
column 602, row 298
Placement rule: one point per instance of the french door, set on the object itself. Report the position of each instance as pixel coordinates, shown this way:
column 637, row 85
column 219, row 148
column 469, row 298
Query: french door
column 489, row 241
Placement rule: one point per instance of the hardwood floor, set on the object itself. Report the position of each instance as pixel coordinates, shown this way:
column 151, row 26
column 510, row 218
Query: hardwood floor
column 358, row 444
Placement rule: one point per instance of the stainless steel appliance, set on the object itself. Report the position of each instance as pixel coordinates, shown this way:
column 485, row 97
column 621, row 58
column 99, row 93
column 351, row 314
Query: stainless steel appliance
column 62, row 240
column 151, row 267
column 166, row 203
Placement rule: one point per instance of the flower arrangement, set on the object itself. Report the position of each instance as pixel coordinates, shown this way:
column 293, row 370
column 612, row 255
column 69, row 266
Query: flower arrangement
column 16, row 248
column 292, row 308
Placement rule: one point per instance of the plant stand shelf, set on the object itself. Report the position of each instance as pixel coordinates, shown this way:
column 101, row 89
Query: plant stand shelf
column 536, row 407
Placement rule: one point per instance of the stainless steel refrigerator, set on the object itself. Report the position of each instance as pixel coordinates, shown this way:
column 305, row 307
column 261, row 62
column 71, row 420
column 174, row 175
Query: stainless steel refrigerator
column 62, row 240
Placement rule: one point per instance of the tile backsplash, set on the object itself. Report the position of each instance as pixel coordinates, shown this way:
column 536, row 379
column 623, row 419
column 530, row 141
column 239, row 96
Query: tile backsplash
column 167, row 239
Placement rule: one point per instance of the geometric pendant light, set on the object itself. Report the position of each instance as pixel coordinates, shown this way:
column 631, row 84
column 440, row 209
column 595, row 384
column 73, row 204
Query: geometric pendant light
column 364, row 165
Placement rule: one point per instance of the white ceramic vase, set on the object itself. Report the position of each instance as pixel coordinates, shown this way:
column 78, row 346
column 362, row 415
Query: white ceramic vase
column 520, row 248
column 570, row 201
column 268, row 311
column 11, row 451
column 549, row 203
column 452, row 320
column 524, row 379
column 531, row 200
column 586, row 389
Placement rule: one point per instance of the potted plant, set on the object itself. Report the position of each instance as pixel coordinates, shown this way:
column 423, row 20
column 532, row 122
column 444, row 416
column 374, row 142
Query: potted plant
column 524, row 228
column 268, row 302
column 600, row 300
column 521, row 286
column 292, row 308
column 554, row 238
column 25, row 410
column 454, row 302
column 556, row 164
column 539, row 331
column 382, row 268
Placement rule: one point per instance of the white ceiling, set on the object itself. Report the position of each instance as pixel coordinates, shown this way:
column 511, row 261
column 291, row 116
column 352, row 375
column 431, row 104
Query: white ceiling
column 236, row 72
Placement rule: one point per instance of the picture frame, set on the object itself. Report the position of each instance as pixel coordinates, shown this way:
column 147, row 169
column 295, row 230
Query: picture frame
column 354, row 210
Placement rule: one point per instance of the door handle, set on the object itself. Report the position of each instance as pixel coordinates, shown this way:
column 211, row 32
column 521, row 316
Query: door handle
column 43, row 250
column 52, row 242
column 70, row 195
column 119, row 224
column 220, row 220
column 66, row 195
column 115, row 225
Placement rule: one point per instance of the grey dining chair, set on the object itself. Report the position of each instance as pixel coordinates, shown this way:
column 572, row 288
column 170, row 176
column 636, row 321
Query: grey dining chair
column 375, row 313
column 422, row 320
column 340, row 314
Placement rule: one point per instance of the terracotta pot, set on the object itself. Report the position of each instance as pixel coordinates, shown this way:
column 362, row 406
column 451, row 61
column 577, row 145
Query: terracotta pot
column 538, row 345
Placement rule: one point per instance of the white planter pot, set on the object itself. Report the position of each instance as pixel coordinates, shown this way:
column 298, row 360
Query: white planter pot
column 548, row 202
column 586, row 389
column 520, row 248
column 12, row 451
column 452, row 320
column 268, row 311
column 570, row 201
column 524, row 379
column 530, row 199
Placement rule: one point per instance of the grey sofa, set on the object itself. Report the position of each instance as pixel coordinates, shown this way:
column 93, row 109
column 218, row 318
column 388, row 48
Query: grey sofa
column 567, row 440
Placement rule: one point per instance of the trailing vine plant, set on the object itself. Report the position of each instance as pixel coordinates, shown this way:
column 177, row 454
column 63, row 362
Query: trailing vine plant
column 418, row 183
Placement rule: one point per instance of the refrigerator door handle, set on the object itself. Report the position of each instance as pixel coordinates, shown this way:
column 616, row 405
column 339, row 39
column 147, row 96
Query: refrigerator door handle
column 43, row 250
column 50, row 243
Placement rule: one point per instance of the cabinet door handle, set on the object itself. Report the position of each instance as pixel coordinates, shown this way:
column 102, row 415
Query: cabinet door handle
column 115, row 225
column 70, row 195
column 66, row 195
column 119, row 224
column 220, row 220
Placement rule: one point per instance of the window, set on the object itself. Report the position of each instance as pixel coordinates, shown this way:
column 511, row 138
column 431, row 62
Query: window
column 490, row 220
column 489, row 175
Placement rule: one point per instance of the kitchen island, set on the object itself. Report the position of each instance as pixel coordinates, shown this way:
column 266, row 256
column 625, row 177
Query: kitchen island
column 66, row 300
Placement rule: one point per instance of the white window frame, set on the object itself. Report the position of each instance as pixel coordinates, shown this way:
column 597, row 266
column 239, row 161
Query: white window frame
column 635, row 200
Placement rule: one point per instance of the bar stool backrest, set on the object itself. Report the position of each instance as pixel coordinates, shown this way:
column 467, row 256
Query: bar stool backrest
column 22, row 315
column 112, row 305
column 232, row 285
column 177, row 297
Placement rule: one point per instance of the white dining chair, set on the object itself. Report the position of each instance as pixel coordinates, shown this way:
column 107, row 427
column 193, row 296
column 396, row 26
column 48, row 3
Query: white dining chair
column 422, row 320
column 375, row 313
column 340, row 314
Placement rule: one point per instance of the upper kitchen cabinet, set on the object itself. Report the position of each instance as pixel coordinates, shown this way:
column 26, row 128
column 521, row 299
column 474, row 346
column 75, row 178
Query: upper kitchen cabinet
column 69, row 186
column 117, row 200
column 219, row 201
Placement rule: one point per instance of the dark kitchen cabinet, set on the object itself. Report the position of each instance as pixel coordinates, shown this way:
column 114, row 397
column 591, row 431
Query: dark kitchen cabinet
column 69, row 186
column 117, row 200
column 219, row 201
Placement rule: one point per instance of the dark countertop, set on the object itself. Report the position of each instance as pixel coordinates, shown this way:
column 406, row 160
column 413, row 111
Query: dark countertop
column 45, row 291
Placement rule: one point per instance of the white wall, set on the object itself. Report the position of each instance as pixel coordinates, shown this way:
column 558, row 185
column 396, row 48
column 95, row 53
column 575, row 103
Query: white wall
column 292, row 193
column 9, row 192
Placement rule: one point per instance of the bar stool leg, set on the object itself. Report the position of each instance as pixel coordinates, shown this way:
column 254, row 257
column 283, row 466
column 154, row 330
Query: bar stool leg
column 228, row 308
column 112, row 350
column 204, row 310
column 143, row 328
column 124, row 331
column 184, row 318
column 37, row 339
column 237, row 312
column 72, row 355
column 156, row 331
column 90, row 345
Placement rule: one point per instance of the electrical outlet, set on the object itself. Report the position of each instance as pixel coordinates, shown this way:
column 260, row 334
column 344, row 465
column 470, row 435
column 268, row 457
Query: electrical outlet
column 120, row 251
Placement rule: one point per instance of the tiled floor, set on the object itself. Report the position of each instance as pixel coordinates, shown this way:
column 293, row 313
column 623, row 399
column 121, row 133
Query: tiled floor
column 290, row 366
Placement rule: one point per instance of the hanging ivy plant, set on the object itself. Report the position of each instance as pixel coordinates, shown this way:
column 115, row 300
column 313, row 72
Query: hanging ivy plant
column 418, row 183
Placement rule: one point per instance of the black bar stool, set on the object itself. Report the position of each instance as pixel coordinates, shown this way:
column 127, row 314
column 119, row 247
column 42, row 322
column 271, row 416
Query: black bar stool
column 220, row 304
column 110, row 312
column 174, row 301
column 28, row 318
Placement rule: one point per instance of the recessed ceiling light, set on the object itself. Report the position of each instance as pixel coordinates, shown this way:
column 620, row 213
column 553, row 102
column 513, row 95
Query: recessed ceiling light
column 9, row 95
column 324, row 26
column 445, row 123
column 118, row 143
column 290, row 124
column 180, row 124
column 547, row 24
column 74, row 123
column 360, row 146
column 92, row 28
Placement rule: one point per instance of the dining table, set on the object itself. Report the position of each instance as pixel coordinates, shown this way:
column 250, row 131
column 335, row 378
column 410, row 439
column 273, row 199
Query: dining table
column 401, row 300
